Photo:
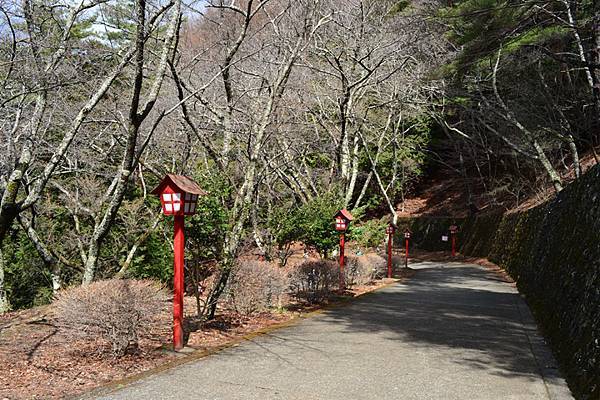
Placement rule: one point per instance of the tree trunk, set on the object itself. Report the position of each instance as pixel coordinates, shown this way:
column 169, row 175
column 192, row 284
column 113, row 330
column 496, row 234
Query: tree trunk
column 56, row 280
column 344, row 146
column 9, row 209
column 574, row 155
column 354, row 174
column 554, row 177
column 50, row 261
column 364, row 189
column 510, row 117
column 4, row 304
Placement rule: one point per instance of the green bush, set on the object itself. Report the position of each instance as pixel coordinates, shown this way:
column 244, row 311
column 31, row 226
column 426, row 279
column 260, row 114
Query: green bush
column 369, row 234
column 311, row 224
column 28, row 282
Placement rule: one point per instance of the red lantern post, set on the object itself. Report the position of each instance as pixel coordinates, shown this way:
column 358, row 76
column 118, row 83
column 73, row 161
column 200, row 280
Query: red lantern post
column 178, row 281
column 342, row 222
column 407, row 233
column 178, row 197
column 390, row 232
column 453, row 232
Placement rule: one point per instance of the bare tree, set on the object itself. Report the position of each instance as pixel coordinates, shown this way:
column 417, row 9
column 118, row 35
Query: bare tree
column 242, row 95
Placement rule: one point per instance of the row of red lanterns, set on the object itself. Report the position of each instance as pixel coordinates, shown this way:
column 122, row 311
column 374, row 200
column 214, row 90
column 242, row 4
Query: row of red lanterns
column 342, row 223
column 179, row 197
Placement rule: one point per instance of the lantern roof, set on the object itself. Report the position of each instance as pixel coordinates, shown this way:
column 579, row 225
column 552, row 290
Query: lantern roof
column 182, row 182
column 344, row 213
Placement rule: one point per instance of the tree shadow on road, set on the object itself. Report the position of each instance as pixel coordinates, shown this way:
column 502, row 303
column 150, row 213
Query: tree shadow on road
column 451, row 309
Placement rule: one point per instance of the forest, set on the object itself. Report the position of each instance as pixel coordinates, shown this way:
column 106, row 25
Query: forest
column 284, row 112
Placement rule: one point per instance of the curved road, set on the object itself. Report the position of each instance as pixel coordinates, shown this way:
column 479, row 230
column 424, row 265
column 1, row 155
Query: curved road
column 453, row 331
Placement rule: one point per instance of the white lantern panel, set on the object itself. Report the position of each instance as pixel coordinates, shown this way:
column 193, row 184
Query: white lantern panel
column 186, row 207
column 176, row 196
column 167, row 197
column 168, row 207
column 176, row 206
column 193, row 207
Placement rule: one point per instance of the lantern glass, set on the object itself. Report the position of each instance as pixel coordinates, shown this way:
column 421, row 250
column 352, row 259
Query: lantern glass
column 340, row 224
column 189, row 206
column 171, row 203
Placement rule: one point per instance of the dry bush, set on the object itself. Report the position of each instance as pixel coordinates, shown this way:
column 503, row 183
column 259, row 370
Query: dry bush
column 378, row 265
column 314, row 280
column 120, row 311
column 256, row 286
column 360, row 270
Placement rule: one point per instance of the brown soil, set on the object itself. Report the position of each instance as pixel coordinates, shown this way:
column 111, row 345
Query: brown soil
column 443, row 195
column 39, row 361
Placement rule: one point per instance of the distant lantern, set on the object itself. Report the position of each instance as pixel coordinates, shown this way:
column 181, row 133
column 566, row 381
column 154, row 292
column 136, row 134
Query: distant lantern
column 178, row 197
column 453, row 232
column 342, row 220
column 407, row 235
column 391, row 229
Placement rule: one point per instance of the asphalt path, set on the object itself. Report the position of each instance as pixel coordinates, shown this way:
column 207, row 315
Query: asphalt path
column 453, row 331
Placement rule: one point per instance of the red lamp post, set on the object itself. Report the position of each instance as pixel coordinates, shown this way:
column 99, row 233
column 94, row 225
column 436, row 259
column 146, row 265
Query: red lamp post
column 178, row 197
column 390, row 232
column 342, row 222
column 453, row 232
column 407, row 234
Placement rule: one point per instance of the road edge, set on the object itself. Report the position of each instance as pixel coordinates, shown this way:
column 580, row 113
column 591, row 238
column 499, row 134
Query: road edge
column 197, row 355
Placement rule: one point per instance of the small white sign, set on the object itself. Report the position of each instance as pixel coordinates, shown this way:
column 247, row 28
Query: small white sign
column 444, row 238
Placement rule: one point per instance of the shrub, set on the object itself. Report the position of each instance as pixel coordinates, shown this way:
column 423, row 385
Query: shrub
column 379, row 266
column 120, row 311
column 256, row 286
column 360, row 270
column 370, row 234
column 314, row 280
column 311, row 224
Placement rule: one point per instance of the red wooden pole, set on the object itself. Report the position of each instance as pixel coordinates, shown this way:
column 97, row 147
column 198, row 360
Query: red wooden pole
column 179, row 245
column 406, row 254
column 453, row 244
column 342, row 242
column 390, row 238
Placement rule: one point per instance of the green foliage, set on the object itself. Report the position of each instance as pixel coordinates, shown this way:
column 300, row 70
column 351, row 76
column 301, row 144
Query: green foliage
column 155, row 257
column 206, row 229
column 119, row 16
column 311, row 224
column 27, row 281
column 369, row 234
column 398, row 7
column 482, row 26
column 402, row 164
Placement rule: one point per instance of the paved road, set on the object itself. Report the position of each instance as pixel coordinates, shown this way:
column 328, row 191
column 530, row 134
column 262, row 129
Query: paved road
column 451, row 332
